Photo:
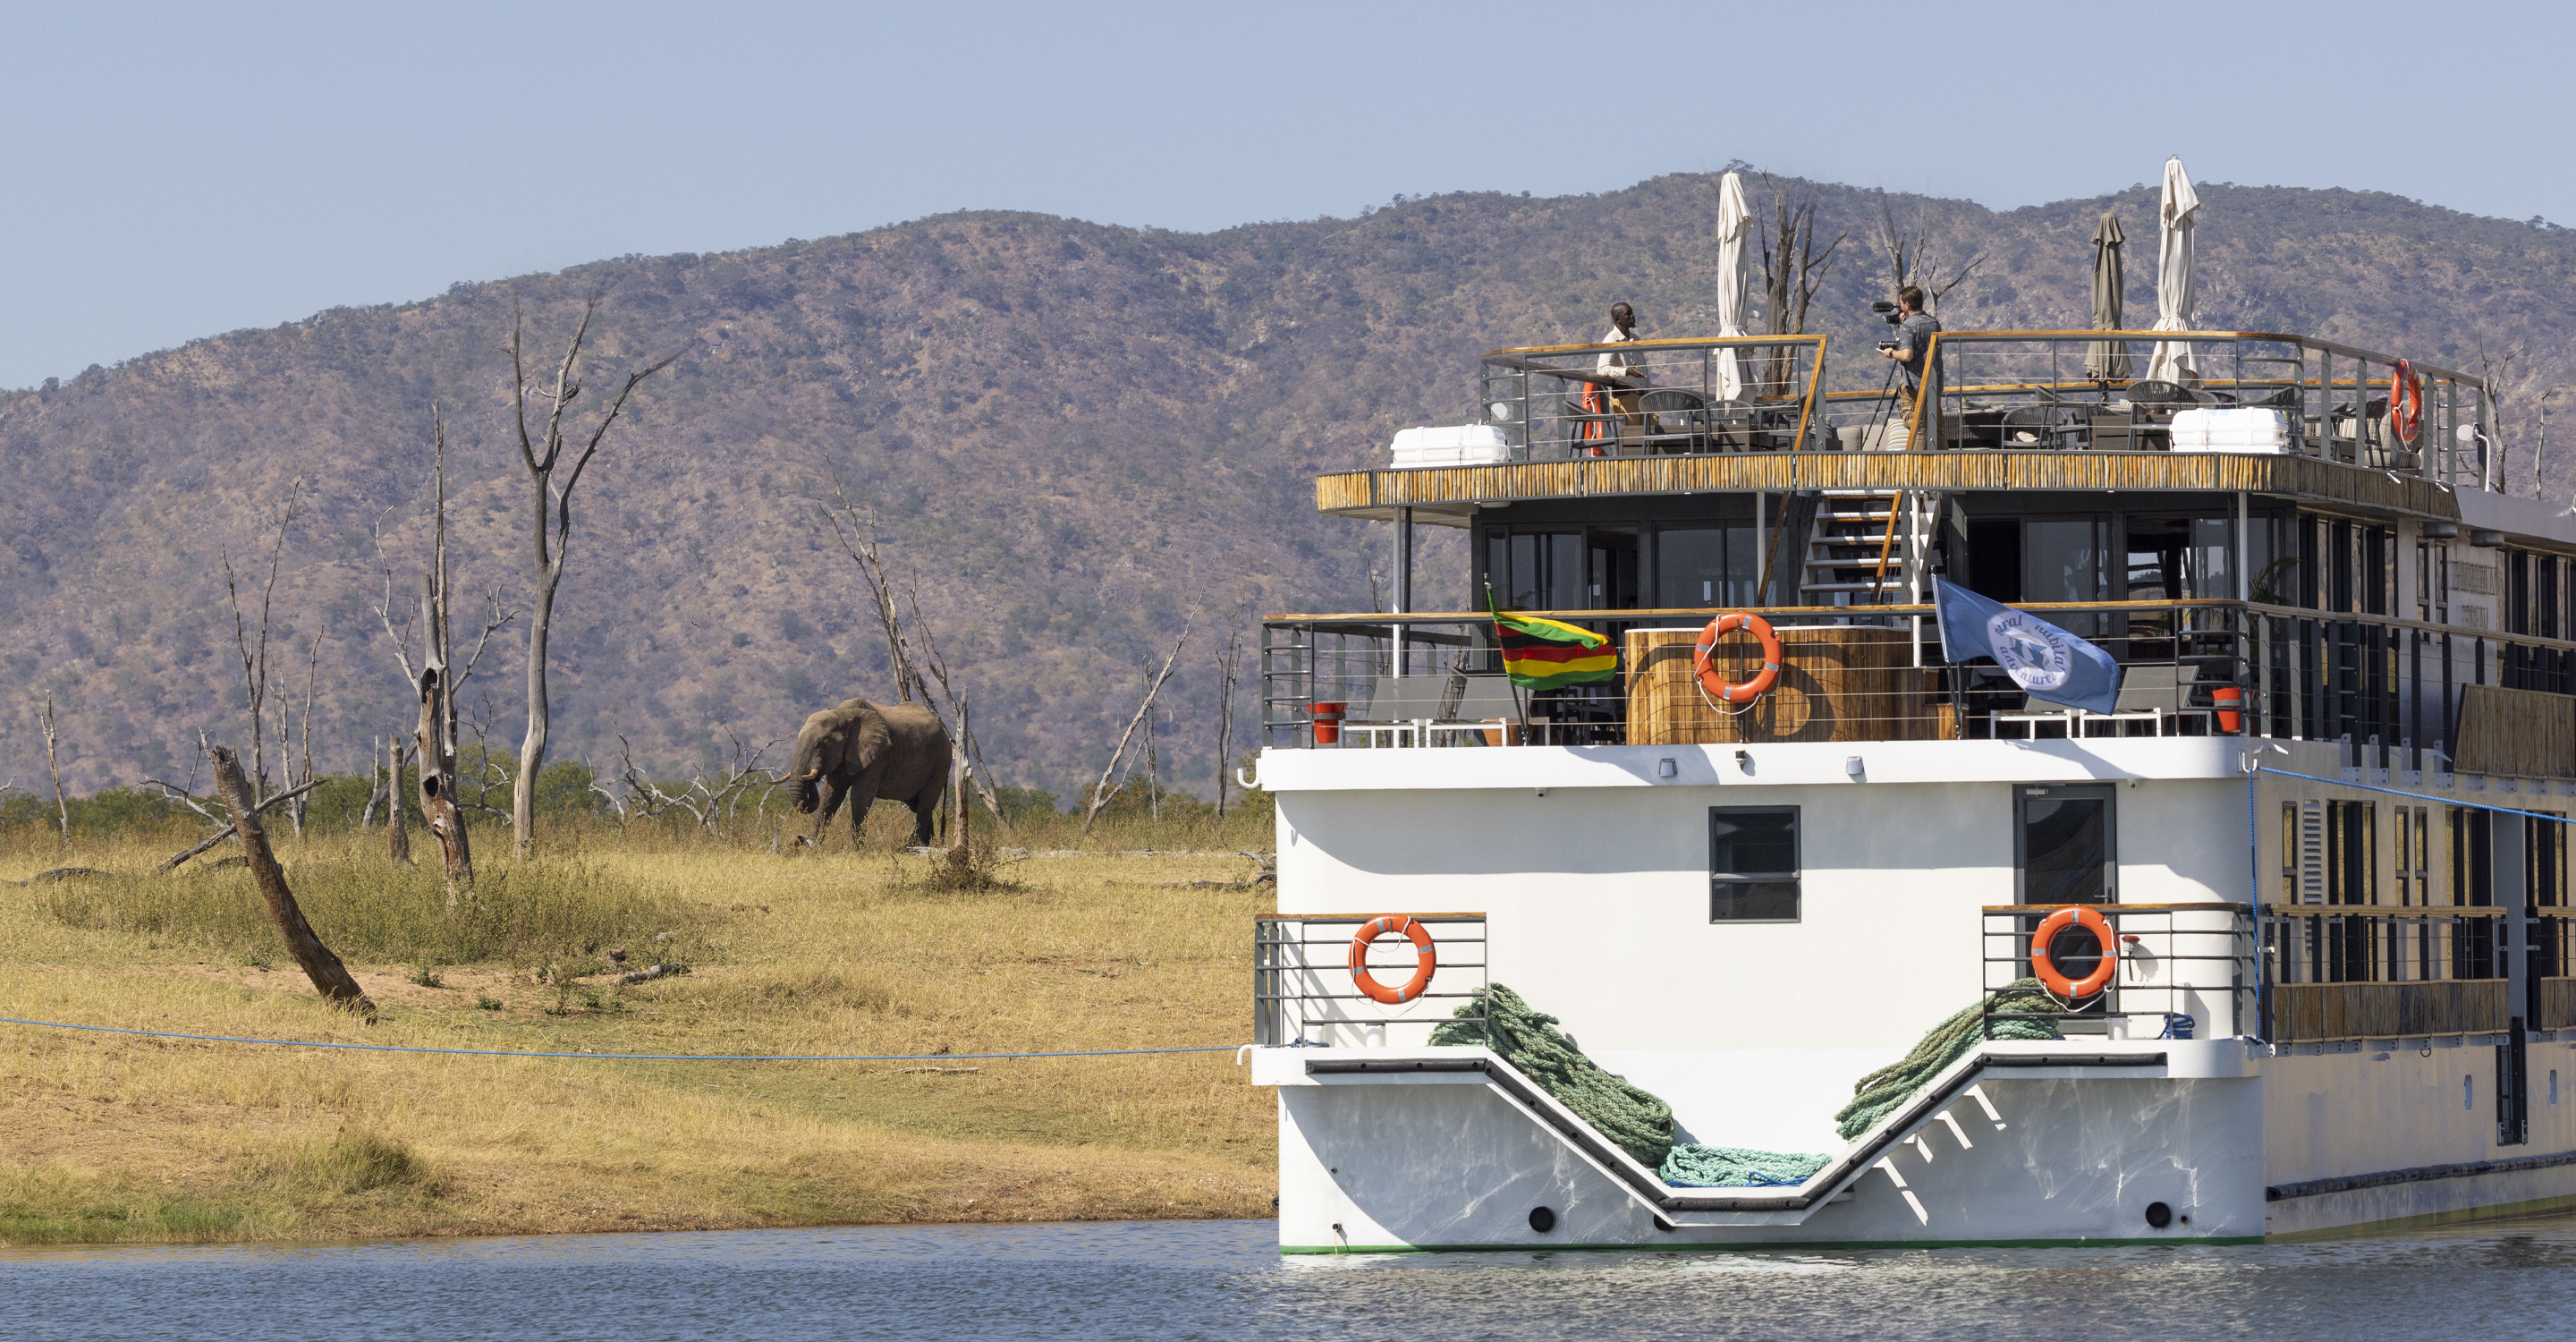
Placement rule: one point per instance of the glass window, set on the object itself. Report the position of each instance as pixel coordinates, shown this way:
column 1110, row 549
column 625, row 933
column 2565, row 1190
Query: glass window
column 1706, row 566
column 2065, row 844
column 2062, row 561
column 1611, row 577
column 2211, row 569
column 1540, row 570
column 1753, row 864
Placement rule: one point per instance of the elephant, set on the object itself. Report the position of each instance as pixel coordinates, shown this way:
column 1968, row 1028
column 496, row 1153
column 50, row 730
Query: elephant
column 861, row 751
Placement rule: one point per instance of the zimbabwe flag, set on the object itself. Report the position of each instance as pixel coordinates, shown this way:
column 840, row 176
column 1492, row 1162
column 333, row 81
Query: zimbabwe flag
column 1542, row 654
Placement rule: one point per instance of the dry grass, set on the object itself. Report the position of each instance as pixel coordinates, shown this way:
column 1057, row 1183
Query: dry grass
column 111, row 1137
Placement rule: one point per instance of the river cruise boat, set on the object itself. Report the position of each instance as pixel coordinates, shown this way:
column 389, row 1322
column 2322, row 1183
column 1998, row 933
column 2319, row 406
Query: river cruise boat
column 2304, row 884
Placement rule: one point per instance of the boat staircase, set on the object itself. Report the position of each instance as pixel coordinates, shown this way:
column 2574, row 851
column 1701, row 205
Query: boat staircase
column 1853, row 556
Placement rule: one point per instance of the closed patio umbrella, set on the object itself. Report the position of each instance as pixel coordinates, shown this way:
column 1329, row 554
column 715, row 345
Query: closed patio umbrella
column 1732, row 221
column 2179, row 212
column 2107, row 360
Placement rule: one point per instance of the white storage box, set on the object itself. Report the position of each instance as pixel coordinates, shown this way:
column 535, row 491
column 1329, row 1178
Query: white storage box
column 1461, row 445
column 2230, row 429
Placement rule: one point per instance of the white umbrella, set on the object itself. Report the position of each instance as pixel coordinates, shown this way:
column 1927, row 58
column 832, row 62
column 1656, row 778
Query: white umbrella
column 2179, row 212
column 1732, row 219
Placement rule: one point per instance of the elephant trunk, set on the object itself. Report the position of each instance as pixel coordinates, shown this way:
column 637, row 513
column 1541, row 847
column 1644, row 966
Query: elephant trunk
column 803, row 790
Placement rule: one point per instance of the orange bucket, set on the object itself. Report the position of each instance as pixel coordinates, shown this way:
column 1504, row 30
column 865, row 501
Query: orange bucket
column 1327, row 716
column 2229, row 698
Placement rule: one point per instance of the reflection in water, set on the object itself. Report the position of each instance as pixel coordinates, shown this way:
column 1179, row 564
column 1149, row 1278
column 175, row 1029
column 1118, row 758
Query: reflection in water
column 1219, row 1280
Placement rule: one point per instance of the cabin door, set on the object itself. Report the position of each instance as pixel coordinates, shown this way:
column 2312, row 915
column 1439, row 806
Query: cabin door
column 2065, row 848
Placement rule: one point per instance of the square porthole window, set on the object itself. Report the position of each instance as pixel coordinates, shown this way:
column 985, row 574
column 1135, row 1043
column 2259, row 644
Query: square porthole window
column 1753, row 864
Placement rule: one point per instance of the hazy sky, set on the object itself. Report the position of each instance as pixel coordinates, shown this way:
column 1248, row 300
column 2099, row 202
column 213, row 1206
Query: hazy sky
column 186, row 170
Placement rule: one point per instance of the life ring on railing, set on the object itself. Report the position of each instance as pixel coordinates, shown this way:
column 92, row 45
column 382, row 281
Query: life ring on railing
column 1716, row 685
column 1425, row 960
column 2405, row 401
column 2045, row 968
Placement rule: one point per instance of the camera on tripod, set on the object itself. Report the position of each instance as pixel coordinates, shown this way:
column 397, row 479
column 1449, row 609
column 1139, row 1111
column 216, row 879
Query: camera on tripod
column 1888, row 311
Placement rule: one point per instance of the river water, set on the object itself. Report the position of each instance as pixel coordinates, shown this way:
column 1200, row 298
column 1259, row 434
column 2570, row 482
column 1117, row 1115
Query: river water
column 1222, row 1280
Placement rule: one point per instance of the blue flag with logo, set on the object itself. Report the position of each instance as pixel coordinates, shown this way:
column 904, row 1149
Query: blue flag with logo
column 2043, row 659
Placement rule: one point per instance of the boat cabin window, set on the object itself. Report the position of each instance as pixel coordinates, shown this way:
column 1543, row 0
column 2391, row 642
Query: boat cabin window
column 2064, row 848
column 1706, row 566
column 1753, row 864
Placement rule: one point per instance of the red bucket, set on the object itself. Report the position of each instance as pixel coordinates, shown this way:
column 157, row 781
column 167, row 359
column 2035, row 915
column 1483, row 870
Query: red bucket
column 2229, row 698
column 1327, row 716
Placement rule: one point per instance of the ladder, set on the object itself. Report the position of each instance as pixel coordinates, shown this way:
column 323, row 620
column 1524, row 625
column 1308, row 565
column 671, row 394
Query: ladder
column 1842, row 564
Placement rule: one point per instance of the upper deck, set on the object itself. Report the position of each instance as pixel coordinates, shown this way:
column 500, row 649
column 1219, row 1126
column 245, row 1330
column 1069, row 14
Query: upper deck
column 2009, row 410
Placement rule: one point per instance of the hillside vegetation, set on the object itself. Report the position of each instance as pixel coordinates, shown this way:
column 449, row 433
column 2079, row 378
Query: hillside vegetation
column 1077, row 437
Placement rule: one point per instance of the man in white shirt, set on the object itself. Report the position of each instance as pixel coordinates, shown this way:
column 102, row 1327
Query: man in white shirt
column 1622, row 395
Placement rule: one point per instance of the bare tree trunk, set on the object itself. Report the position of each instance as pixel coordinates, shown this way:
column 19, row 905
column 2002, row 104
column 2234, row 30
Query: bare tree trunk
column 543, row 454
column 438, row 784
column 1101, row 792
column 330, row 977
column 397, row 837
column 960, row 854
column 1229, row 665
column 532, row 745
column 961, row 740
column 62, row 808
column 859, row 541
column 254, row 657
column 295, row 812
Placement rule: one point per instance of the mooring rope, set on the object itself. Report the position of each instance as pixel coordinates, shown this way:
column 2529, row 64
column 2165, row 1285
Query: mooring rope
column 1642, row 1123
column 619, row 1057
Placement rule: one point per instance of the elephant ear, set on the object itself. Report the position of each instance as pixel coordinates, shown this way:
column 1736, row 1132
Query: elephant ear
column 869, row 740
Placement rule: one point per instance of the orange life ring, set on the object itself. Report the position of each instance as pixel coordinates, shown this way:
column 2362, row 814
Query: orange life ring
column 2045, row 969
column 1717, row 686
column 2405, row 401
column 1424, row 959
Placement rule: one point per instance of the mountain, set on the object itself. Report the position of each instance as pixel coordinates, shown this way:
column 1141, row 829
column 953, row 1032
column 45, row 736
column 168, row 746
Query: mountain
column 1077, row 437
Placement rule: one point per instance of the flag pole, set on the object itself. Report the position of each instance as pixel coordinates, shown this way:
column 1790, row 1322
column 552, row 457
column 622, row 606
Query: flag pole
column 1519, row 706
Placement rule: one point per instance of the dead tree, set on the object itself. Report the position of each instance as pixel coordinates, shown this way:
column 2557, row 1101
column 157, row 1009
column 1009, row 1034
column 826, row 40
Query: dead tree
column 712, row 803
column 961, row 738
column 397, row 837
column 1914, row 258
column 330, row 977
column 434, row 686
column 1102, row 792
column 1792, row 271
column 855, row 530
column 1229, row 668
column 295, row 813
column 435, row 747
column 254, row 654
column 859, row 541
column 62, row 808
column 224, row 829
column 544, row 454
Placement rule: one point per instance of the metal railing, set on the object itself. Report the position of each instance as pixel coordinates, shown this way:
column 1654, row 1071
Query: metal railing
column 2094, row 390
column 2185, row 970
column 1653, row 397
column 2015, row 390
column 2391, row 690
column 1304, row 994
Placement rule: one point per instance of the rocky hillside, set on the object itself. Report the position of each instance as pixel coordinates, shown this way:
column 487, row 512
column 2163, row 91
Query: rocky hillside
column 1077, row 437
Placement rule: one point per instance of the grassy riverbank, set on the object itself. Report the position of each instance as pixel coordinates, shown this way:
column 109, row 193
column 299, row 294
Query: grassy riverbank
column 117, row 1138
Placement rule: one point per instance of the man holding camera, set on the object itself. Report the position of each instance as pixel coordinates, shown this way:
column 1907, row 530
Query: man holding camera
column 1911, row 346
